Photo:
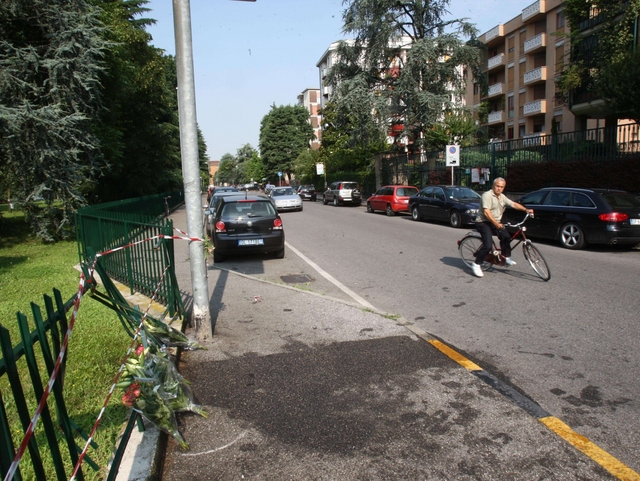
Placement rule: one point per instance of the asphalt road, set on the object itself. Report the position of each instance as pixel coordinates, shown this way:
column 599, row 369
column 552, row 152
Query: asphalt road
column 570, row 344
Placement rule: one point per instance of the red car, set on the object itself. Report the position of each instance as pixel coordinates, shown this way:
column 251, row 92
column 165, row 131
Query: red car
column 392, row 199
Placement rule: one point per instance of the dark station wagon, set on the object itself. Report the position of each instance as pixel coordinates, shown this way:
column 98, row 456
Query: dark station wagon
column 577, row 217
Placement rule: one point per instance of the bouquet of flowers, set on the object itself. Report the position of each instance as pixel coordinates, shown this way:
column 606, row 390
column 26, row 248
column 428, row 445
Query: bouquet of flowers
column 156, row 389
column 162, row 333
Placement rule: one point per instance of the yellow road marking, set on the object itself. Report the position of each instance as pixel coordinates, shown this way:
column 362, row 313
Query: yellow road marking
column 604, row 459
column 457, row 357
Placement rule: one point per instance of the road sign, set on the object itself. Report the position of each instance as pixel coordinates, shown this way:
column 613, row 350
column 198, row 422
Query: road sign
column 453, row 155
column 279, row 174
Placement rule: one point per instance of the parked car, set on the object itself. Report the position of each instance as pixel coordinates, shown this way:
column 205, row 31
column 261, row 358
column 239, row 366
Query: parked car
column 391, row 199
column 307, row 192
column 246, row 224
column 455, row 204
column 210, row 209
column 285, row 198
column 344, row 192
column 577, row 217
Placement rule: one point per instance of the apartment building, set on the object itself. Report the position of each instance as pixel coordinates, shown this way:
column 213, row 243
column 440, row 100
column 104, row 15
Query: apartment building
column 310, row 100
column 524, row 56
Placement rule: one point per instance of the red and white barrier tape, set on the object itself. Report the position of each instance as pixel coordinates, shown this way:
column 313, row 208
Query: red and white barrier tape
column 31, row 428
column 115, row 381
column 29, row 433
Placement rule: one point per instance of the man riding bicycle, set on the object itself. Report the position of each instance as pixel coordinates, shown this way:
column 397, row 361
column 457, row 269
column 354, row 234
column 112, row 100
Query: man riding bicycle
column 488, row 223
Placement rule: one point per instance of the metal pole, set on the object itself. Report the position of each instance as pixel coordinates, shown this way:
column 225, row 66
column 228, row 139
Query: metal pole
column 201, row 315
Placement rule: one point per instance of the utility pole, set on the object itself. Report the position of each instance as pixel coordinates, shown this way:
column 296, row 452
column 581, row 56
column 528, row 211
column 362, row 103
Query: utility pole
column 201, row 318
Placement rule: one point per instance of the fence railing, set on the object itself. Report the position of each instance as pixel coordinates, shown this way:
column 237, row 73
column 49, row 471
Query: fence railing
column 133, row 222
column 602, row 144
column 59, row 443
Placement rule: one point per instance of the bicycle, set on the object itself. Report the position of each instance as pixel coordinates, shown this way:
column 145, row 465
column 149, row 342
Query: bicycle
column 167, row 211
column 470, row 243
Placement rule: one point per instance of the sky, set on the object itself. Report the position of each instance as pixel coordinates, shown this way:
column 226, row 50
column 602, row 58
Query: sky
column 249, row 56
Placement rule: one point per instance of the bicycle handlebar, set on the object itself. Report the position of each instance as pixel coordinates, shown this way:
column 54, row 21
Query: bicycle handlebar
column 520, row 223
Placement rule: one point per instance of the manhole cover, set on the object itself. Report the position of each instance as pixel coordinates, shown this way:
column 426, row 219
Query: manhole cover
column 297, row 279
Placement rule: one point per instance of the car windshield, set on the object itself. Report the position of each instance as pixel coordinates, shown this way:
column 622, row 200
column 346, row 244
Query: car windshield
column 233, row 210
column 621, row 200
column 461, row 193
column 278, row 192
column 349, row 185
column 406, row 191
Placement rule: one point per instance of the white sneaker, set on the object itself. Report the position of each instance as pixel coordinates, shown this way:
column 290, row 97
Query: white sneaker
column 477, row 270
column 509, row 261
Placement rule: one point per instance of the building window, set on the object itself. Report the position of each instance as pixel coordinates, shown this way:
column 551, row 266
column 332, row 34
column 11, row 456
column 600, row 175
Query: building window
column 521, row 131
column 510, row 133
column 476, row 88
column 560, row 20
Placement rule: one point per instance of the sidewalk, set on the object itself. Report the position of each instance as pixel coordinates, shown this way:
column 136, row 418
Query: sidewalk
column 307, row 386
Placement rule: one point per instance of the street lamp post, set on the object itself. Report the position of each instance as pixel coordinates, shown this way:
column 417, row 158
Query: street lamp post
column 201, row 316
column 191, row 166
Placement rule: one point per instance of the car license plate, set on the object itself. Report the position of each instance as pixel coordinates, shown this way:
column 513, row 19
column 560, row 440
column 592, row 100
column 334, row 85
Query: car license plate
column 634, row 221
column 251, row 242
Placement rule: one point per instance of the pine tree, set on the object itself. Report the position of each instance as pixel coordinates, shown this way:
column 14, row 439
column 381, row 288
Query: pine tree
column 51, row 54
column 377, row 85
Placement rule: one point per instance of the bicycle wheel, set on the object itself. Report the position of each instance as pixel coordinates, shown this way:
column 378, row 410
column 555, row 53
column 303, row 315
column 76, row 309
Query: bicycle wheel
column 468, row 247
column 537, row 262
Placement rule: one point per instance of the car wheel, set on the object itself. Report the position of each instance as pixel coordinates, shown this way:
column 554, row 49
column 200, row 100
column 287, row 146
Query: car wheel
column 335, row 202
column 390, row 211
column 324, row 199
column 415, row 213
column 369, row 208
column 572, row 236
column 279, row 254
column 217, row 257
column 455, row 219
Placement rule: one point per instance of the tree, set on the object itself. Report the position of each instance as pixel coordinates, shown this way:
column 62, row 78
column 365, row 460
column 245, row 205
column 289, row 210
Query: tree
column 284, row 132
column 305, row 165
column 254, row 168
column 606, row 59
column 455, row 128
column 406, row 66
column 51, row 57
column 139, row 128
column 227, row 171
column 339, row 150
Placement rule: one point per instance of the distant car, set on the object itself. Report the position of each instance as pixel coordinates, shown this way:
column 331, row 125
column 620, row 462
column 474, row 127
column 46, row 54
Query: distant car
column 454, row 204
column 307, row 192
column 577, row 217
column 285, row 198
column 246, row 224
column 391, row 199
column 343, row 192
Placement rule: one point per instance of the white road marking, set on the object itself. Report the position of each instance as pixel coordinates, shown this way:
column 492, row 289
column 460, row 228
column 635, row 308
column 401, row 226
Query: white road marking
column 331, row 279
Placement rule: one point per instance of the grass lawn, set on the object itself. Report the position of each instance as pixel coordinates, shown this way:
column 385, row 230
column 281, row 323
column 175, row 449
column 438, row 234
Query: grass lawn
column 28, row 270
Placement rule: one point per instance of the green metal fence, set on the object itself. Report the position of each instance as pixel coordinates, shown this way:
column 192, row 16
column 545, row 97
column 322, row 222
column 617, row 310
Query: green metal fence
column 132, row 222
column 59, row 430
column 598, row 145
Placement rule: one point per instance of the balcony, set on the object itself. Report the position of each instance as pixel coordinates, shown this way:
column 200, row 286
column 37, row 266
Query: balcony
column 536, row 75
column 536, row 43
column 493, row 34
column 535, row 107
column 496, row 61
column 496, row 89
column 534, row 10
column 496, row 117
